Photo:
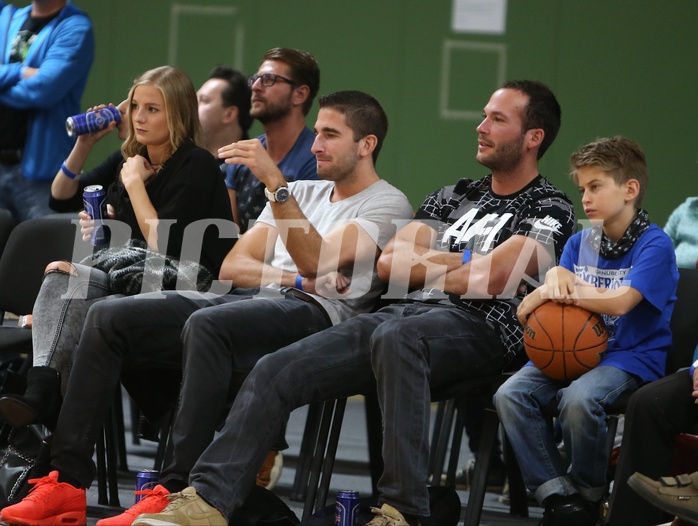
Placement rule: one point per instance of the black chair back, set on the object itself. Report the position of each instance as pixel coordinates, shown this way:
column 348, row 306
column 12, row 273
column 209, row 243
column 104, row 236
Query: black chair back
column 7, row 223
column 684, row 322
column 32, row 245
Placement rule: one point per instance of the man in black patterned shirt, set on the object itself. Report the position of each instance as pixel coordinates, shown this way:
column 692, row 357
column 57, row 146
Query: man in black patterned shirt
column 470, row 254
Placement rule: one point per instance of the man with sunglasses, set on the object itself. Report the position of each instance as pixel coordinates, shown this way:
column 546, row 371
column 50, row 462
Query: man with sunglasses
column 283, row 90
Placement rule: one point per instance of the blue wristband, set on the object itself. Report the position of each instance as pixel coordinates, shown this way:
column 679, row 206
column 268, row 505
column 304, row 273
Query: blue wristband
column 692, row 368
column 467, row 256
column 299, row 282
column 67, row 172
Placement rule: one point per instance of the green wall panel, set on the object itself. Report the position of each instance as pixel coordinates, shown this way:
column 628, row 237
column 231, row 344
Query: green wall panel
column 617, row 66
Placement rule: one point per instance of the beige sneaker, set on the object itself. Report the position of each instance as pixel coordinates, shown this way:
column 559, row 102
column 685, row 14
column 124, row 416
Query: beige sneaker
column 185, row 508
column 386, row 515
column 675, row 495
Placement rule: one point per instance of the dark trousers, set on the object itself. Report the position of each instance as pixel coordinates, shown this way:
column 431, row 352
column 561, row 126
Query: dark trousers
column 404, row 348
column 144, row 333
column 221, row 345
column 656, row 414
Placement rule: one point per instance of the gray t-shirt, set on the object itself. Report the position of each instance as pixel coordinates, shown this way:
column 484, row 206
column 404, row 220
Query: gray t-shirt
column 379, row 210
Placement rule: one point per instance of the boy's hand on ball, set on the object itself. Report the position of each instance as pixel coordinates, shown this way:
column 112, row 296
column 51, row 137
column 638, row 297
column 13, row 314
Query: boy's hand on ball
column 560, row 284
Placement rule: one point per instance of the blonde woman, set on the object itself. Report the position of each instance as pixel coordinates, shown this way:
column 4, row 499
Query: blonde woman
column 157, row 184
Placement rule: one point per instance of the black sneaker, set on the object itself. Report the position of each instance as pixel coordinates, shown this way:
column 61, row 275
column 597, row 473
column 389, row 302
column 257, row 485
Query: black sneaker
column 570, row 510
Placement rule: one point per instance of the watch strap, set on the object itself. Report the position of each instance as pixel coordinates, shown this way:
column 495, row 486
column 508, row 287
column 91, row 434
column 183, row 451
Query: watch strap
column 272, row 195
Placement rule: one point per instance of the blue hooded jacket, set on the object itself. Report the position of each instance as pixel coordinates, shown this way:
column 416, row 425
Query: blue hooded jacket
column 63, row 52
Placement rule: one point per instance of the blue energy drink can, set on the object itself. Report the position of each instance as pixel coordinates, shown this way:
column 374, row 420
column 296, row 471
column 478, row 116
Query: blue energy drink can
column 92, row 121
column 146, row 479
column 94, row 199
column 347, row 508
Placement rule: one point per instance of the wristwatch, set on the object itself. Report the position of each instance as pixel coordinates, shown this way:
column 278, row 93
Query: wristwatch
column 280, row 195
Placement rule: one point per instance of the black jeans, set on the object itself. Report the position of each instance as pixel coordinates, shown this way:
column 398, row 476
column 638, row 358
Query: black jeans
column 403, row 349
column 221, row 345
column 656, row 414
column 144, row 333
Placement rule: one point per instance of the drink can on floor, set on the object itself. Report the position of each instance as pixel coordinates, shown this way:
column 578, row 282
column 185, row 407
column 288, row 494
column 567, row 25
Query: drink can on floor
column 146, row 479
column 347, row 508
column 95, row 201
column 92, row 121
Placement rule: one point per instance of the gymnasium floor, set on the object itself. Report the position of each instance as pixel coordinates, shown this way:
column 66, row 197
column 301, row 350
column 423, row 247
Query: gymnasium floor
column 350, row 471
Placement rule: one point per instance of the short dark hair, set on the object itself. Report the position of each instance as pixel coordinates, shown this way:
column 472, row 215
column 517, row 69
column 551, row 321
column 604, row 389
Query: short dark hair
column 237, row 93
column 363, row 114
column 542, row 111
column 304, row 70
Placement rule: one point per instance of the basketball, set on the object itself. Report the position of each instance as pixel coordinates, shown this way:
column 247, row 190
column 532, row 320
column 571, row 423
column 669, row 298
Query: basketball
column 564, row 341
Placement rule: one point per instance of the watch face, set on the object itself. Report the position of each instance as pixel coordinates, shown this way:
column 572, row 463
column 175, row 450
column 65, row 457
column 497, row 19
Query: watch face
column 282, row 194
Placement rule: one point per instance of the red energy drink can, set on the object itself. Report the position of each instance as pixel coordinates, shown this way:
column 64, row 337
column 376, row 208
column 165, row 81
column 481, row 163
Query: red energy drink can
column 146, row 479
column 347, row 508
column 94, row 199
column 92, row 121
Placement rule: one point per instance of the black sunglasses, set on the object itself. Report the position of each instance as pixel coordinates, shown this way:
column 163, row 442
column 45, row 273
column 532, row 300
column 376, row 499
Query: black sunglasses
column 268, row 79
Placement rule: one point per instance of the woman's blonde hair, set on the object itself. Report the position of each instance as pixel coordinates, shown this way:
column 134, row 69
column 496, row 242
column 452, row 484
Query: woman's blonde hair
column 180, row 102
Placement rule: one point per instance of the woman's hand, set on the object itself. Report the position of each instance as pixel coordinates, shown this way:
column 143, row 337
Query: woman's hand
column 136, row 171
column 122, row 127
column 90, row 139
column 87, row 224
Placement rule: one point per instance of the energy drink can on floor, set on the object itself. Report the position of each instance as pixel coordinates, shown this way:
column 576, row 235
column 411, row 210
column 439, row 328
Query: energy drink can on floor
column 95, row 201
column 92, row 121
column 347, row 508
column 146, row 479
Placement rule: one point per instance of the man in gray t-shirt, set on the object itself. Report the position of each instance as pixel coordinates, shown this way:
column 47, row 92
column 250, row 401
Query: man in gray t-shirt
column 308, row 263
column 466, row 245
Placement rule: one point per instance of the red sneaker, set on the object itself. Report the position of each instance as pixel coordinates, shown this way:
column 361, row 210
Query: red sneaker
column 49, row 503
column 153, row 501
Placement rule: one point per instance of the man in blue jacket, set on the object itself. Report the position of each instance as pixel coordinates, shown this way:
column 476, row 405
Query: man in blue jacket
column 46, row 52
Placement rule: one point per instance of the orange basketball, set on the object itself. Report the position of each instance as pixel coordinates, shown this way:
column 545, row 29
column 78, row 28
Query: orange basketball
column 564, row 341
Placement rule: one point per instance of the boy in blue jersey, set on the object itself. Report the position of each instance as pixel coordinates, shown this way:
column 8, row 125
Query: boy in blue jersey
column 623, row 268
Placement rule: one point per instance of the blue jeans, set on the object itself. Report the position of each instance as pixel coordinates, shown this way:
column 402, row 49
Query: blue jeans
column 403, row 349
column 582, row 421
column 25, row 198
